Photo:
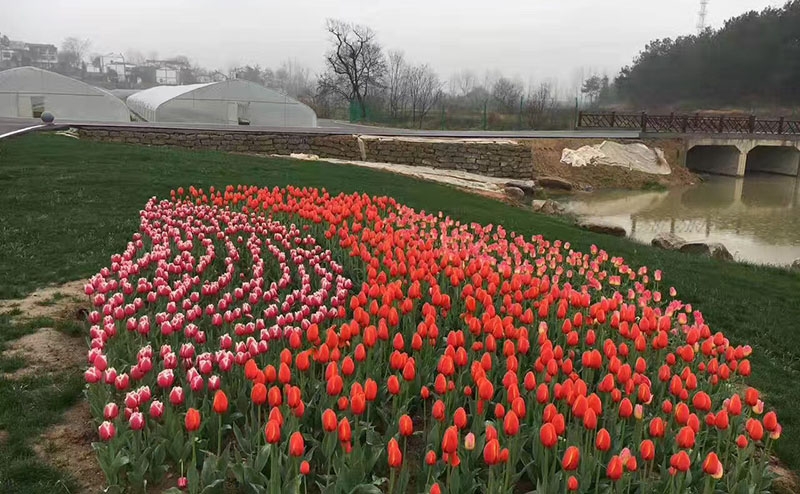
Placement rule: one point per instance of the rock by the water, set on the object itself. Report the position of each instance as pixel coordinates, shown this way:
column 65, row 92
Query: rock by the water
column 526, row 186
column 616, row 231
column 668, row 241
column 514, row 193
column 554, row 183
column 714, row 250
column 796, row 265
column 549, row 207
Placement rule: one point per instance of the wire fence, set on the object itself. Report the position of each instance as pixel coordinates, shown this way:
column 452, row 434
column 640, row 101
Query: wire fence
column 451, row 117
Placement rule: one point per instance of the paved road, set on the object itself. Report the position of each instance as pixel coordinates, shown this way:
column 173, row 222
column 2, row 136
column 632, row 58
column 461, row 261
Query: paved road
column 344, row 128
column 12, row 124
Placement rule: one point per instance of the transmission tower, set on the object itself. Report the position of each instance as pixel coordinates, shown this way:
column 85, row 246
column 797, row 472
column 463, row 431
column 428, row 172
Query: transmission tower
column 701, row 16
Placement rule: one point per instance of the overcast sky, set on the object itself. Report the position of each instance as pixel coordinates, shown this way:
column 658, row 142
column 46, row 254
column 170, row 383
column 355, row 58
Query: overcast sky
column 529, row 39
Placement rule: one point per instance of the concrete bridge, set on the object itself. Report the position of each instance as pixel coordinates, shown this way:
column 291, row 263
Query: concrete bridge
column 721, row 144
column 738, row 155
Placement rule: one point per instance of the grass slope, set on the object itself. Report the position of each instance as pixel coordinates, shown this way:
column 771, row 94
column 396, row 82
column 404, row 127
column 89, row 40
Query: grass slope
column 68, row 205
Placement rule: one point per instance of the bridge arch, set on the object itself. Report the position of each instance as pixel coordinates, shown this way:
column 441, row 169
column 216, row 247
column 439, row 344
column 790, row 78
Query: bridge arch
column 720, row 159
column 781, row 160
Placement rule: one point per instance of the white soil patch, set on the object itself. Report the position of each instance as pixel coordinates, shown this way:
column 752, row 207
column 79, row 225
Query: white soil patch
column 51, row 301
column 465, row 180
column 68, row 446
column 46, row 351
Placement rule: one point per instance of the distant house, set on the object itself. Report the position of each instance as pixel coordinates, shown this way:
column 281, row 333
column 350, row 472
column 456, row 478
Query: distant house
column 21, row 54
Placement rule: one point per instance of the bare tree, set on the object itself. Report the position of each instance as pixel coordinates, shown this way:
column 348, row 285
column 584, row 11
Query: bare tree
column 424, row 90
column 397, row 83
column 462, row 83
column 73, row 51
column 293, row 79
column 507, row 94
column 540, row 105
column 355, row 64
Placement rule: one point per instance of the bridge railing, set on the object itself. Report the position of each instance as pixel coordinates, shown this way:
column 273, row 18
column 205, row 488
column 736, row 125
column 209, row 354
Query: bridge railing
column 681, row 124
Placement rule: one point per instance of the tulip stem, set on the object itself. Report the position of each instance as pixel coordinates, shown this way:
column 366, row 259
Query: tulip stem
column 219, row 437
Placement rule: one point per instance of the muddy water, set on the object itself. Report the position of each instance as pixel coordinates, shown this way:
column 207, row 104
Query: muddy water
column 756, row 217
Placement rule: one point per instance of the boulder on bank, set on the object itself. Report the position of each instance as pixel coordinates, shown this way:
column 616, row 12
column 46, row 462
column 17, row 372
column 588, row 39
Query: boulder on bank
column 668, row 241
column 714, row 250
column 795, row 266
column 616, row 231
column 526, row 186
column 549, row 207
column 554, row 183
column 514, row 193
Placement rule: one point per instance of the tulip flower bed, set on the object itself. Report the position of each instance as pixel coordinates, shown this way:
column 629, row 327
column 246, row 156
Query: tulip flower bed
column 286, row 340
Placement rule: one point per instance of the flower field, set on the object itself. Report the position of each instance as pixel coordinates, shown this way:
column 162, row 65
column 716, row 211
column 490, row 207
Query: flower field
column 287, row 340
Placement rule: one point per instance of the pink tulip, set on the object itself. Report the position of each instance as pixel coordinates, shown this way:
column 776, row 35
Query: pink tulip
column 110, row 411
column 156, row 409
column 107, row 431
column 136, row 421
column 92, row 375
column 176, row 396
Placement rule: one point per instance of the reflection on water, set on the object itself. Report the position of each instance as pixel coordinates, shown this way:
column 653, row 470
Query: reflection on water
column 757, row 217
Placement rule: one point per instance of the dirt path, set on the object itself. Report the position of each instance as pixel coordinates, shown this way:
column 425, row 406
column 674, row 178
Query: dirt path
column 68, row 444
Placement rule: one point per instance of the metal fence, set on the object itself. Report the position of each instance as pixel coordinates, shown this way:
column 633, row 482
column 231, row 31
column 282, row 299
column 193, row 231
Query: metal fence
column 688, row 123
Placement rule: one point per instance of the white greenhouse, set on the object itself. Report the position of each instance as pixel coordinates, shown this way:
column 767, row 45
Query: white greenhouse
column 27, row 92
column 234, row 102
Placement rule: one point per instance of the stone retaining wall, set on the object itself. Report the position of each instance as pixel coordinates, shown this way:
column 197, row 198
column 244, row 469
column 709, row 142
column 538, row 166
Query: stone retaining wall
column 491, row 157
column 329, row 146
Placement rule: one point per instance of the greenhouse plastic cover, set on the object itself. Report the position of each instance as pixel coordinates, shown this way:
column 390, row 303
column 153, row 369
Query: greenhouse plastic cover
column 229, row 103
column 25, row 90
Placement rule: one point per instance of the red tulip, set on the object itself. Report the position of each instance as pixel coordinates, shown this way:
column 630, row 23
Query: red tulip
column 460, row 418
column 572, row 483
column 491, row 452
column 770, row 421
column 754, row 429
column 712, row 466
column 511, row 424
column 430, row 458
column 571, row 459
column 329, row 420
column 548, row 436
column 192, row 421
column 680, row 461
column 648, row 450
column 345, row 432
column 393, row 385
column 450, row 440
column 296, row 445
column 220, row 404
column 395, row 455
column 305, row 468
column 615, row 468
column 603, row 440
column 272, row 432
column 406, row 426
column 685, row 438
column 751, row 396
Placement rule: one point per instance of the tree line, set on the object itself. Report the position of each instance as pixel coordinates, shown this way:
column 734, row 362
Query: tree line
column 752, row 62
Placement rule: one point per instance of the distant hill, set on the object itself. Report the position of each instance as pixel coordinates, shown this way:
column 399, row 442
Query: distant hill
column 751, row 62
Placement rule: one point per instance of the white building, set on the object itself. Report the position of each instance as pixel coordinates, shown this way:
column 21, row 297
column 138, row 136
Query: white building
column 27, row 92
column 235, row 102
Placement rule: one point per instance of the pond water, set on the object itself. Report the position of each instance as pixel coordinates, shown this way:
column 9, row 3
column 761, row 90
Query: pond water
column 757, row 217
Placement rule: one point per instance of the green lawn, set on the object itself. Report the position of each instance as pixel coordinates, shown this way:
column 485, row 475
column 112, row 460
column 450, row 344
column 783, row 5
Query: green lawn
column 67, row 205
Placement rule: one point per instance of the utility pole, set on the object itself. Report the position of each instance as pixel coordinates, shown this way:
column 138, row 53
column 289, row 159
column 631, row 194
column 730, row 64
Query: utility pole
column 701, row 16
